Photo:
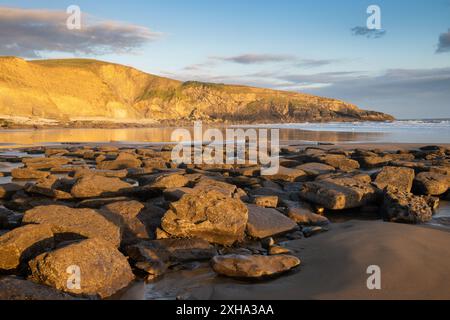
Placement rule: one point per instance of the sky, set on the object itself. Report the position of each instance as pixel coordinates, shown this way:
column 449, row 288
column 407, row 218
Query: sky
column 321, row 47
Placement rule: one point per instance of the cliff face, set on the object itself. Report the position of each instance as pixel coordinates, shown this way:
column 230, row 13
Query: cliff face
column 77, row 89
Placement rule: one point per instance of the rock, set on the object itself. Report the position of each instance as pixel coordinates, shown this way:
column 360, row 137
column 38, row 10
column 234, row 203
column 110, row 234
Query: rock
column 338, row 161
column 433, row 202
column 72, row 223
column 338, row 194
column 266, row 201
column 51, row 187
column 401, row 178
column 315, row 168
column 45, row 163
column 96, row 186
column 253, row 267
column 175, row 194
column 8, row 189
column 266, row 222
column 28, row 174
column 374, row 161
column 15, row 288
column 104, row 173
column 404, row 207
column 170, row 181
column 303, row 214
column 208, row 215
column 311, row 231
column 124, row 161
column 288, row 175
column 24, row 243
column 128, row 216
column 276, row 250
column 103, row 269
column 207, row 184
column 431, row 183
column 97, row 203
column 154, row 257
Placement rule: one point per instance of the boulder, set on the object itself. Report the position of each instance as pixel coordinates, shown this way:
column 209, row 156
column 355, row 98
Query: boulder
column 404, row 207
column 254, row 266
column 431, row 183
column 339, row 193
column 103, row 269
column 398, row 177
column 127, row 215
column 28, row 174
column 266, row 222
column 96, row 186
column 69, row 223
column 15, row 288
column 208, row 215
column 24, row 243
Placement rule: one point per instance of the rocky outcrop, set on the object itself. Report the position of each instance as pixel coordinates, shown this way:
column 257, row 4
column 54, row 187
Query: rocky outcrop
column 114, row 92
column 253, row 267
column 208, row 215
column 103, row 269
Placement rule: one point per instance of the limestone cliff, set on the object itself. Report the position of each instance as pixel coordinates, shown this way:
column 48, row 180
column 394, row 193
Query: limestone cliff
column 75, row 89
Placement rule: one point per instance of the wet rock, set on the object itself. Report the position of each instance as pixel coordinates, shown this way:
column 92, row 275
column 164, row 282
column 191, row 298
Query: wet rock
column 7, row 190
column 277, row 250
column 401, row 178
column 303, row 214
column 96, row 186
column 24, row 243
column 338, row 194
column 104, row 270
column 124, row 161
column 129, row 216
column 311, row 231
column 208, row 215
column 28, row 174
column 72, row 223
column 433, row 202
column 315, row 169
column 266, row 201
column 404, row 207
column 253, row 267
column 15, row 288
column 431, row 183
column 266, row 222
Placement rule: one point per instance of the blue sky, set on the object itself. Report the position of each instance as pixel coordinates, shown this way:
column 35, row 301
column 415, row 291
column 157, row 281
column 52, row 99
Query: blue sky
column 304, row 46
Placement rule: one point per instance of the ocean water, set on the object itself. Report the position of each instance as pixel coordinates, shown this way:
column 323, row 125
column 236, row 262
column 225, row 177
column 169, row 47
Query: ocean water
column 403, row 131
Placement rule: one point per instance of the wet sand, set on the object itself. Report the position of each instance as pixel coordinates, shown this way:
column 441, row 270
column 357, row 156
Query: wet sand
column 414, row 262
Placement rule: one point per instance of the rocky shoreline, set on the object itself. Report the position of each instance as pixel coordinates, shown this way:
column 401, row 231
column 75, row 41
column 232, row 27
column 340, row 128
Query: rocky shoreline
column 124, row 213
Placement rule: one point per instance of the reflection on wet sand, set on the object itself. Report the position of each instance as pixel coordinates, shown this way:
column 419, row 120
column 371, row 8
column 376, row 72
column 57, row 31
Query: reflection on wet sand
column 10, row 138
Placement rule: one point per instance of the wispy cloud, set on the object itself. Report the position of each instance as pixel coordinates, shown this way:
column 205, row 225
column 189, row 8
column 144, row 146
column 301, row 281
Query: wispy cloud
column 252, row 58
column 31, row 33
column 444, row 42
column 368, row 33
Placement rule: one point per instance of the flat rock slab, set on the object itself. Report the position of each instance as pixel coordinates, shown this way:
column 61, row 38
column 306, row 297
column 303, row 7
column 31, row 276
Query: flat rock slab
column 267, row 222
column 316, row 168
column 28, row 174
column 23, row 244
column 401, row 178
column 103, row 269
column 96, row 186
column 253, row 267
column 71, row 222
column 15, row 288
column 338, row 194
column 208, row 215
